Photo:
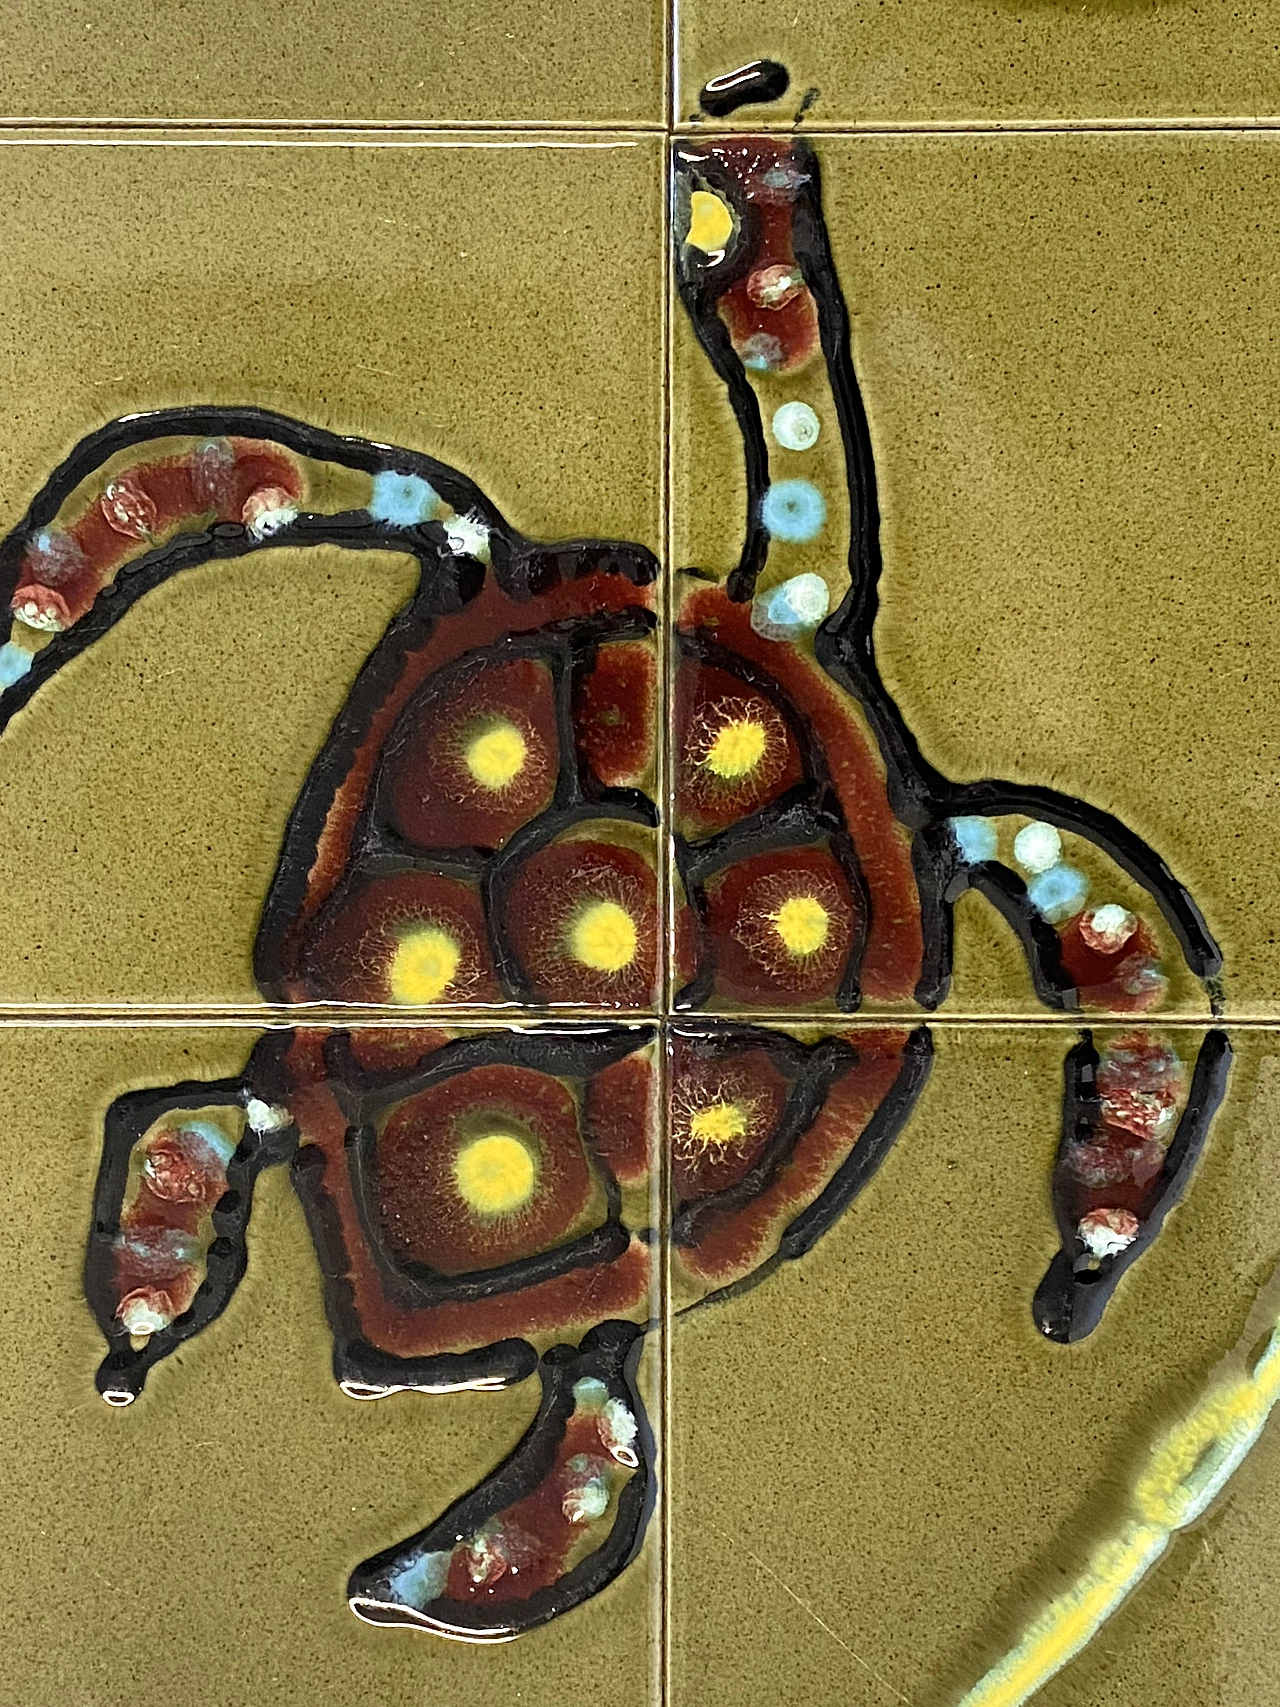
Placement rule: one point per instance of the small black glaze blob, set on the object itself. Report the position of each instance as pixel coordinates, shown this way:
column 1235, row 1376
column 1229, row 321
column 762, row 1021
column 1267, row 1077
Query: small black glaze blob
column 750, row 85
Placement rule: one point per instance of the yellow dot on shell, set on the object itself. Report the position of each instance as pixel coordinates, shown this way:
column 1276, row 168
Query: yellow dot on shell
column 737, row 749
column 718, row 1124
column 710, row 222
column 423, row 966
column 802, row 923
column 495, row 1175
column 603, row 937
column 496, row 757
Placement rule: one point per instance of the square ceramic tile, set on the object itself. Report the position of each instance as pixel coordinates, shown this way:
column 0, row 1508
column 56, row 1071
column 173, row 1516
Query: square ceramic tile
column 885, row 1475
column 971, row 450
column 298, row 373
column 856, row 62
column 529, row 62
column 211, row 1533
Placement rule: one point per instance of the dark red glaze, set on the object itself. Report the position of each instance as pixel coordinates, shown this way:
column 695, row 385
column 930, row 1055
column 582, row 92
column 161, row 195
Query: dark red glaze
column 425, row 1214
column 235, row 480
column 613, row 713
column 351, row 954
column 1141, row 1084
column 577, row 1297
column 619, row 1118
column 490, row 618
column 895, row 945
column 769, row 310
column 724, row 1109
column 1141, row 1081
column 748, row 909
column 553, row 892
column 159, row 1249
column 380, row 1049
column 180, row 1169
column 716, row 713
column 1126, row 980
column 434, row 796
column 529, row 1545
column 732, row 1242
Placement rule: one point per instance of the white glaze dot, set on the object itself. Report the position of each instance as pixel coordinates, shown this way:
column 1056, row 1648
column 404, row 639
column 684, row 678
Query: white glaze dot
column 1037, row 847
column 796, row 426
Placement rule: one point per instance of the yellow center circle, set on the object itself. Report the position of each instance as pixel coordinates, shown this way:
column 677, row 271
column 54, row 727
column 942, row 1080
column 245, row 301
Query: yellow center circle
column 718, row 1123
column 710, row 222
column 737, row 749
column 497, row 757
column 802, row 923
column 495, row 1175
column 423, row 966
column 603, row 937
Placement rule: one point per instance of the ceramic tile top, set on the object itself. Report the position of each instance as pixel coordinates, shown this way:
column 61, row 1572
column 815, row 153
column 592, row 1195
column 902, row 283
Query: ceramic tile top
column 911, row 1489
column 289, row 1431
column 983, row 449
column 868, row 62
column 824, row 850
column 630, row 871
column 530, row 62
column 406, row 770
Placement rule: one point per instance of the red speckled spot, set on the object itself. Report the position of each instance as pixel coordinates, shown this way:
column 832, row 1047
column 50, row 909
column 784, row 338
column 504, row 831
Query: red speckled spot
column 746, row 918
column 423, row 1213
column 716, row 714
column 725, row 1107
column 549, row 896
column 434, row 796
column 1126, row 979
column 350, row 953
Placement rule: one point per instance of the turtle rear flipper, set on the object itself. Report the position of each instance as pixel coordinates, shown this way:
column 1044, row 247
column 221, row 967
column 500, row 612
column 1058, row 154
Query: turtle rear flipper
column 171, row 1207
column 553, row 1525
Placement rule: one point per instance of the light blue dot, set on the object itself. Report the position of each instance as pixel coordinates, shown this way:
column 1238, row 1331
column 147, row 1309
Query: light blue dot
column 222, row 1146
column 1059, row 893
column 402, row 500
column 799, row 603
column 421, row 1580
column 589, row 1394
column 761, row 352
column 794, row 510
column 976, row 838
column 14, row 664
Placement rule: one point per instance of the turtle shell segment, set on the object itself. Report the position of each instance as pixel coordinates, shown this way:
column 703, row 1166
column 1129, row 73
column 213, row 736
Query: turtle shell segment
column 462, row 1198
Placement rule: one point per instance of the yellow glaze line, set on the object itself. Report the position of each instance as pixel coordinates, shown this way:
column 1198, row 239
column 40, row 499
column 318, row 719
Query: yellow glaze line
column 1188, row 1467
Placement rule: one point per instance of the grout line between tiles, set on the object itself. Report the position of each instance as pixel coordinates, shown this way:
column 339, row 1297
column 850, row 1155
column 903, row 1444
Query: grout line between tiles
column 989, row 127
column 666, row 618
column 315, row 133
column 266, row 1018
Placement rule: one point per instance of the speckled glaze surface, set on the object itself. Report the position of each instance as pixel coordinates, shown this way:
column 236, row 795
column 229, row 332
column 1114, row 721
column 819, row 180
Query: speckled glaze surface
column 639, row 994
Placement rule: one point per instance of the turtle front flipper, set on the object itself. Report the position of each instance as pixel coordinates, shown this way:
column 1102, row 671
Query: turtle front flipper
column 1104, row 923
column 550, row 1527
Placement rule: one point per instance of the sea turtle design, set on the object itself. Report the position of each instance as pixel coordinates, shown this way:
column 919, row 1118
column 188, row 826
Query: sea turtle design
column 654, row 823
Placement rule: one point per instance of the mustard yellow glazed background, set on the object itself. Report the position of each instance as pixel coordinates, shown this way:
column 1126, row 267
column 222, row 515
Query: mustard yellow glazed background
column 1066, row 307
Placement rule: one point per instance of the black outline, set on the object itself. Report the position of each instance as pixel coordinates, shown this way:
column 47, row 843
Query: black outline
column 610, row 1353
column 749, row 85
column 123, row 1371
column 1069, row 1302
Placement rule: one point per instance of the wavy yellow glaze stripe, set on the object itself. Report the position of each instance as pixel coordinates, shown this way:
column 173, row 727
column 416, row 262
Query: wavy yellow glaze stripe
column 1188, row 1467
